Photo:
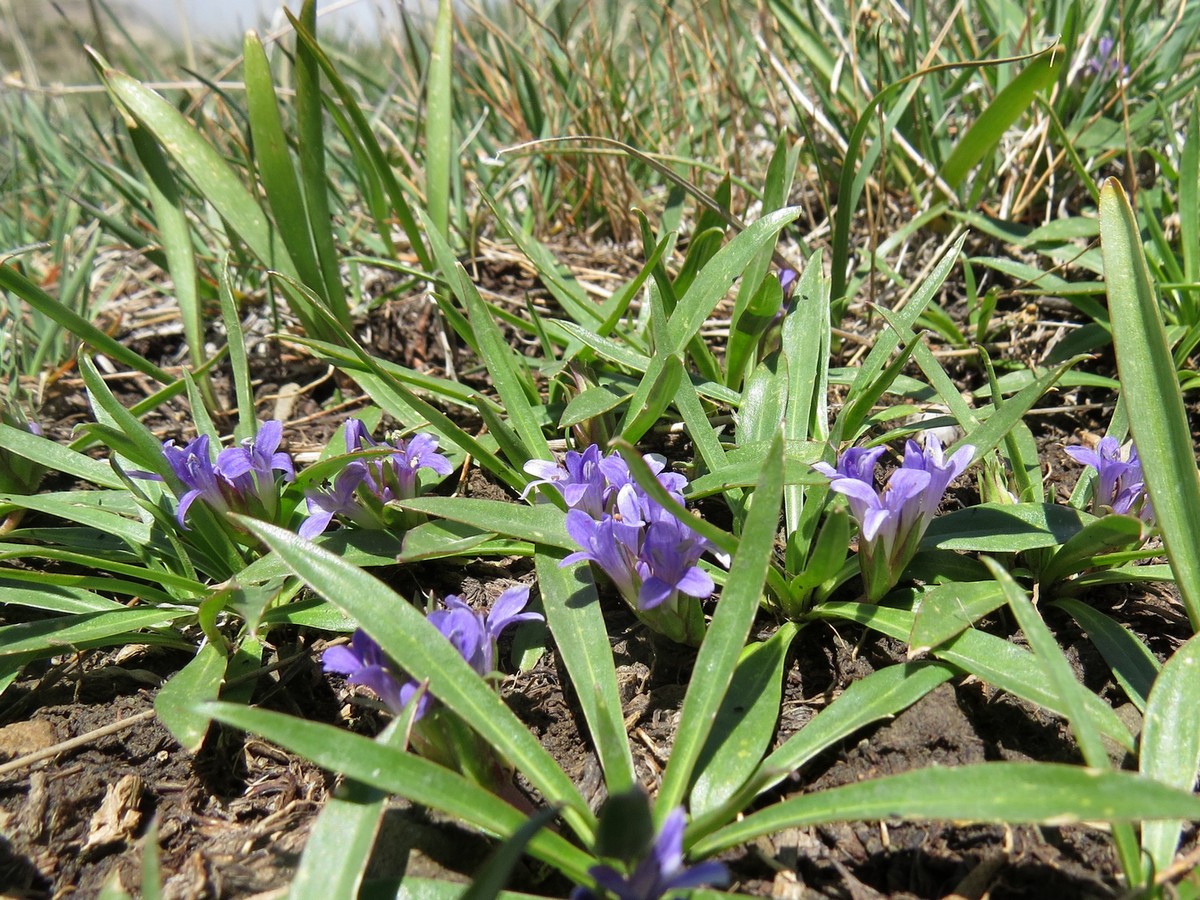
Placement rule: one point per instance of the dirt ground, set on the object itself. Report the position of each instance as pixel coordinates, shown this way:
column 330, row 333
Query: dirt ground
column 231, row 821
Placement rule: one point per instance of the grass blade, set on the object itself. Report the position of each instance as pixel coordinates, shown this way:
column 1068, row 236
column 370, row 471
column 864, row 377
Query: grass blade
column 1048, row 793
column 1149, row 382
column 1170, row 745
column 581, row 638
column 726, row 637
column 420, row 649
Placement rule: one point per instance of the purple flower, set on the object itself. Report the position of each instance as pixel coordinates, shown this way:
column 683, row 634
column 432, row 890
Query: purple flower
column 579, row 481
column 668, row 566
column 650, row 556
column 473, row 635
column 339, row 500
column 787, row 282
column 364, row 662
column 892, row 522
column 365, row 485
column 660, row 872
column 1119, row 486
column 241, row 480
column 1105, row 62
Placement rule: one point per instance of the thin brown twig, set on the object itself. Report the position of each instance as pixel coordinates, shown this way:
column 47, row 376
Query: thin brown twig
column 80, row 741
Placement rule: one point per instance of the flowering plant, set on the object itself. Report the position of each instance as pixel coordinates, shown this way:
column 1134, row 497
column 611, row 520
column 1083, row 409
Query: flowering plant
column 651, row 556
column 1119, row 486
column 436, row 733
column 242, row 479
column 892, row 522
column 361, row 491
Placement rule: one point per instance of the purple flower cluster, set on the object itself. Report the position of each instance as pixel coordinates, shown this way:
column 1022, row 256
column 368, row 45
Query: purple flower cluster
column 892, row 522
column 1119, row 486
column 660, row 872
column 650, row 555
column 473, row 635
column 361, row 489
column 242, row 479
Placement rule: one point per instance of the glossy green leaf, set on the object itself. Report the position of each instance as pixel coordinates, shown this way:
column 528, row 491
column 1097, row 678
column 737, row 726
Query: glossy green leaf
column 1012, row 793
column 745, row 722
column 992, row 659
column 63, row 634
column 948, row 610
column 1132, row 663
column 204, row 165
column 544, row 523
column 424, row 653
column 1005, row 527
column 581, row 640
column 1105, row 535
column 1000, row 115
column 276, row 169
column 718, row 276
column 1149, row 382
column 177, row 702
column 1170, row 745
column 726, row 636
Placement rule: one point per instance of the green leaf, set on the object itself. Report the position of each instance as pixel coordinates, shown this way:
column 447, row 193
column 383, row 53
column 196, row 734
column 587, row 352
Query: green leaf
column 178, row 701
column 1170, row 744
column 1132, row 663
column 404, row 774
column 1149, row 382
column 440, row 153
column 14, row 282
column 718, row 276
column 992, row 659
column 496, row 871
column 1005, row 527
column 949, row 609
column 1000, row 115
column 1105, row 535
column 723, row 642
column 745, row 722
column 66, row 633
column 275, row 167
column 204, row 165
column 541, row 524
column 1012, row 793
column 338, row 848
column 422, row 651
column 581, row 639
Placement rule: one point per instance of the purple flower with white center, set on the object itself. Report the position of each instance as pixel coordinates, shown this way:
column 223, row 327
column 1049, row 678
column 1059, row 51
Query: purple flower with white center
column 892, row 522
column 651, row 556
column 1119, row 486
column 361, row 489
column 394, row 477
column 941, row 471
column 579, row 481
column 339, row 500
column 610, row 545
column 193, row 465
column 660, row 872
column 241, row 480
